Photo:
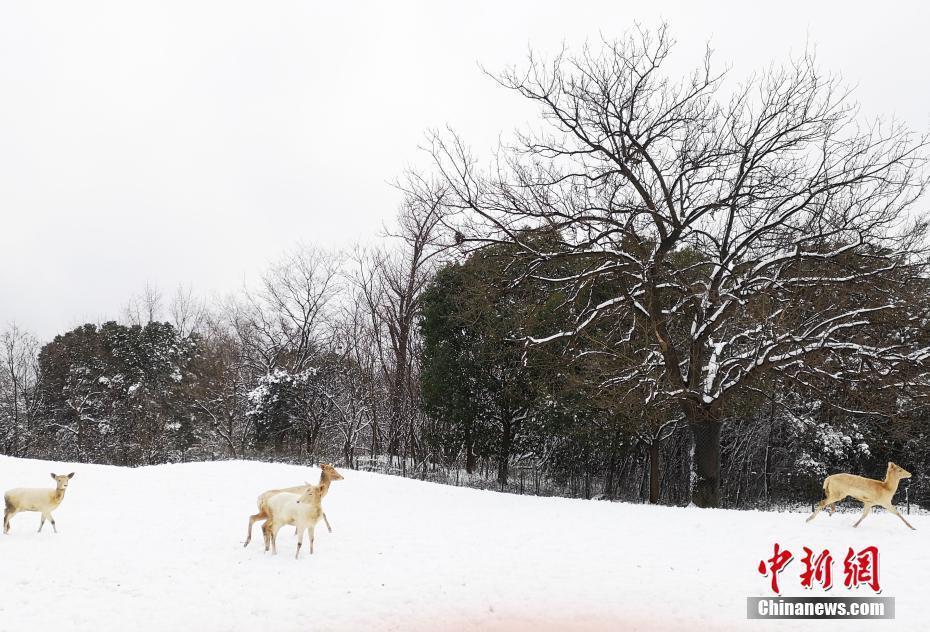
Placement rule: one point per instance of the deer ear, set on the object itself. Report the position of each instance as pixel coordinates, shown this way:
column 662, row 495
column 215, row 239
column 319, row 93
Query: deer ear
column 71, row 475
column 53, row 474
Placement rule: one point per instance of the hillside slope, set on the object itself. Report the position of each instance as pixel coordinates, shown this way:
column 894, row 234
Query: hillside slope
column 161, row 548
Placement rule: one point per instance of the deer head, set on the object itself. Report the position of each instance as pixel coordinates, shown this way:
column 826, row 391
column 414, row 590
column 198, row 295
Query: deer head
column 896, row 471
column 313, row 495
column 61, row 481
column 330, row 472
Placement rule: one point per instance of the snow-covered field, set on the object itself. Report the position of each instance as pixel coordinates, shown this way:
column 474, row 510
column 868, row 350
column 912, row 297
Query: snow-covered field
column 160, row 548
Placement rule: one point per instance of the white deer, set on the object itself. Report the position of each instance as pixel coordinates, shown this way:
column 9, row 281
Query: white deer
column 328, row 474
column 871, row 492
column 302, row 511
column 32, row 499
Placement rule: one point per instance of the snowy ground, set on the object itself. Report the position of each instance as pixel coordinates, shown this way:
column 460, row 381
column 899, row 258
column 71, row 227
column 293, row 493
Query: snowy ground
column 161, row 548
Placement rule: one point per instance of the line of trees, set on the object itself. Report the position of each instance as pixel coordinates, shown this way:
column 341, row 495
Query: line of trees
column 318, row 360
column 672, row 290
column 725, row 241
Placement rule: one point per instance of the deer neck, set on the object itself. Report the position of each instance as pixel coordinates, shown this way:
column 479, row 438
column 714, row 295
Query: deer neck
column 891, row 482
column 58, row 495
column 324, row 484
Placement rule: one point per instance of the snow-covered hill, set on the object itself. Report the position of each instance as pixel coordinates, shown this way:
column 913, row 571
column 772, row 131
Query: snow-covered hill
column 160, row 548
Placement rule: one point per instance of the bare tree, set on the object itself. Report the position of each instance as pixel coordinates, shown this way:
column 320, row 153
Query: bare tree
column 351, row 383
column 390, row 283
column 187, row 312
column 18, row 389
column 282, row 323
column 750, row 230
column 220, row 392
column 144, row 308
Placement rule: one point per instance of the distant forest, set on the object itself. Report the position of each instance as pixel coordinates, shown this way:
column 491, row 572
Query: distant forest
column 673, row 290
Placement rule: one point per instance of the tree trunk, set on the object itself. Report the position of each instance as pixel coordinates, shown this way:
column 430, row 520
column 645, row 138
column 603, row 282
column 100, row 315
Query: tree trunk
column 503, row 469
column 470, row 460
column 310, row 443
column 609, row 484
column 80, row 438
column 348, row 453
column 15, row 450
column 375, row 440
column 398, row 387
column 654, row 473
column 705, row 465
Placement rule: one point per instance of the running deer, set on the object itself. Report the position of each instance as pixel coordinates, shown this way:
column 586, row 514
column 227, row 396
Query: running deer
column 303, row 511
column 869, row 491
column 31, row 499
column 328, row 474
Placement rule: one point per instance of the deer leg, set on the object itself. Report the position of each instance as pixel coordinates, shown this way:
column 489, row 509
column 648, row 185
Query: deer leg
column 312, row 537
column 274, row 539
column 252, row 520
column 894, row 510
column 42, row 523
column 823, row 503
column 266, row 532
column 828, row 503
column 326, row 520
column 51, row 519
column 300, row 542
column 7, row 514
column 865, row 512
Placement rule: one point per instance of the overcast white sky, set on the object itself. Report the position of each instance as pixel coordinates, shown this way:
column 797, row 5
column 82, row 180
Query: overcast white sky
column 190, row 142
